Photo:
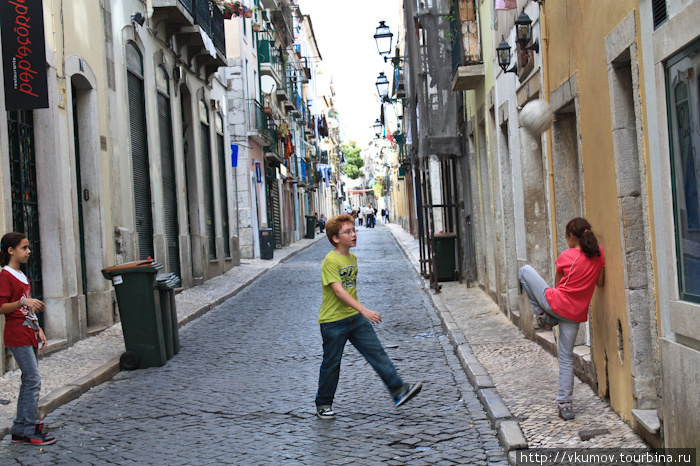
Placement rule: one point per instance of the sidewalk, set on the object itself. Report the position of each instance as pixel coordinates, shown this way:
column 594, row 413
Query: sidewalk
column 67, row 374
column 516, row 379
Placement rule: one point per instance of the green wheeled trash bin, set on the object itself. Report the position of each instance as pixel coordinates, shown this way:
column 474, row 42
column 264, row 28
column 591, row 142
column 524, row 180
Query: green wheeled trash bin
column 166, row 283
column 139, row 309
column 445, row 263
column 310, row 226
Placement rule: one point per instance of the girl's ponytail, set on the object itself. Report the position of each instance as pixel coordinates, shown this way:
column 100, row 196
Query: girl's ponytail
column 581, row 229
column 10, row 240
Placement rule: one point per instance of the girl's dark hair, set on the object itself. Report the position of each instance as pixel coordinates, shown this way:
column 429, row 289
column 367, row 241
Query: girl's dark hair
column 10, row 240
column 581, row 229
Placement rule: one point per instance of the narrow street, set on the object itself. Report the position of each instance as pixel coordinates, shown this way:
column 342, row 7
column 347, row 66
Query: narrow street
column 242, row 389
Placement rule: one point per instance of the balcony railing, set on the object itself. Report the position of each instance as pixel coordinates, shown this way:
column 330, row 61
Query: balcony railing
column 202, row 14
column 268, row 57
column 187, row 4
column 257, row 123
column 217, row 29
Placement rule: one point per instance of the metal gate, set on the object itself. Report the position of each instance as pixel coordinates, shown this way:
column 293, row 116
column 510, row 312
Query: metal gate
column 25, row 207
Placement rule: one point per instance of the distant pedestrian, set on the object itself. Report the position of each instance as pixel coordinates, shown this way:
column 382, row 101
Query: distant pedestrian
column 343, row 318
column 370, row 216
column 23, row 336
column 321, row 223
column 579, row 269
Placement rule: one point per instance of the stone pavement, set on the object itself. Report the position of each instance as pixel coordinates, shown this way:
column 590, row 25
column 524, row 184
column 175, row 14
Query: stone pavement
column 522, row 372
column 499, row 361
column 241, row 390
column 68, row 373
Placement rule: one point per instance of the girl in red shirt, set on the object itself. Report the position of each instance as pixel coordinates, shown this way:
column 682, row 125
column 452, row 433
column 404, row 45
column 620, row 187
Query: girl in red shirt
column 579, row 269
column 23, row 336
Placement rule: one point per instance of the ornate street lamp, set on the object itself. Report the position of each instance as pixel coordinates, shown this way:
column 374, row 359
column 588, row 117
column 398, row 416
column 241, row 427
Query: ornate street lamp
column 377, row 128
column 383, row 87
column 383, row 37
column 503, row 54
column 523, row 32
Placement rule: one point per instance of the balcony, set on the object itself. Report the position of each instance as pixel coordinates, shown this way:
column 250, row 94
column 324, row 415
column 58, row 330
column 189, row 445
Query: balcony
column 257, row 123
column 183, row 20
column 467, row 61
column 274, row 151
column 268, row 58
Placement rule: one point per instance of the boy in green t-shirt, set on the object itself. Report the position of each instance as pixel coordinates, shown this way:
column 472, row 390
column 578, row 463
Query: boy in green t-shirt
column 343, row 318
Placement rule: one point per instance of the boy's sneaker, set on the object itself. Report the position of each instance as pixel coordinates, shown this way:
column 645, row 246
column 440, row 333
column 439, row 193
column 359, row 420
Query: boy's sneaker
column 566, row 411
column 325, row 412
column 18, row 438
column 408, row 392
column 546, row 322
column 39, row 437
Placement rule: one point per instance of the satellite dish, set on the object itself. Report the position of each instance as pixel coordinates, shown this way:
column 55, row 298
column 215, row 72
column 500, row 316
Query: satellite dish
column 332, row 123
column 267, row 84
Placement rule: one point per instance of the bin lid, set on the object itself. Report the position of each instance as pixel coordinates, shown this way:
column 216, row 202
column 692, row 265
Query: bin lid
column 445, row 235
column 131, row 267
column 167, row 281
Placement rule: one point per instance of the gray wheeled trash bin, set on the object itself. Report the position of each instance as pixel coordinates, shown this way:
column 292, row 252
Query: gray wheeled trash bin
column 166, row 283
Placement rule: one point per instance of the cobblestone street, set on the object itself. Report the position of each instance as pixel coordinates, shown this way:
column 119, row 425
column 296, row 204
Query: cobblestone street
column 242, row 389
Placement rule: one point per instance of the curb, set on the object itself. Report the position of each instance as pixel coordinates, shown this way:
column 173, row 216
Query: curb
column 510, row 435
column 107, row 371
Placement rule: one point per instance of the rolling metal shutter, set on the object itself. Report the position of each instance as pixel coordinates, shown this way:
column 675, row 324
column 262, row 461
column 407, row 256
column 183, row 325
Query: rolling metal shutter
column 167, row 163
column 208, row 189
column 276, row 217
column 140, row 170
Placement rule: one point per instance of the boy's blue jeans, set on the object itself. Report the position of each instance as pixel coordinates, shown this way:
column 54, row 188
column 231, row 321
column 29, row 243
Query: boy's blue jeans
column 359, row 331
column 28, row 399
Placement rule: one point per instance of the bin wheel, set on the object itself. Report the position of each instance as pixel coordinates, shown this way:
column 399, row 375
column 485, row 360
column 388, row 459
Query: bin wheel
column 129, row 361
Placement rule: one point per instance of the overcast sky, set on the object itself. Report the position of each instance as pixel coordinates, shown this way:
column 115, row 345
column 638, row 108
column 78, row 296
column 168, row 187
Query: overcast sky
column 344, row 32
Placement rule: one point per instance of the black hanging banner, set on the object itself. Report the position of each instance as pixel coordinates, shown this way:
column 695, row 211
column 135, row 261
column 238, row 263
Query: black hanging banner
column 23, row 54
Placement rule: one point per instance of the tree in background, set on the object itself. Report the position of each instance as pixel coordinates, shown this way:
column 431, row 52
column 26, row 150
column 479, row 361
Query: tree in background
column 353, row 160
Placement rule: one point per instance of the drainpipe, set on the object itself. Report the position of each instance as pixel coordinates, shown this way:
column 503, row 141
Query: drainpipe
column 548, row 134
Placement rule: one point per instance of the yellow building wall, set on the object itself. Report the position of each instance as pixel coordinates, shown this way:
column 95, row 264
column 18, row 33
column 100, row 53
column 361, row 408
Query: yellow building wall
column 576, row 33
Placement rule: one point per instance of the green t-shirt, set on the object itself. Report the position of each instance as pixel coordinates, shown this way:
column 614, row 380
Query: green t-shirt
column 341, row 269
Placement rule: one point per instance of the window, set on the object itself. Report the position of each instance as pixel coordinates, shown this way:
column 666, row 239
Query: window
column 683, row 97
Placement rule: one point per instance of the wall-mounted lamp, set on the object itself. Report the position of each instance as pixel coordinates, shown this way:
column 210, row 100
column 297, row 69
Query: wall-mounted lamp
column 503, row 54
column 383, row 87
column 383, row 37
column 138, row 18
column 523, row 33
column 377, row 128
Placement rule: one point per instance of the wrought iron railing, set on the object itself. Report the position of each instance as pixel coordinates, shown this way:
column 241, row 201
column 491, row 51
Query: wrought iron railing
column 257, row 120
column 202, row 14
column 217, row 30
column 187, row 4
